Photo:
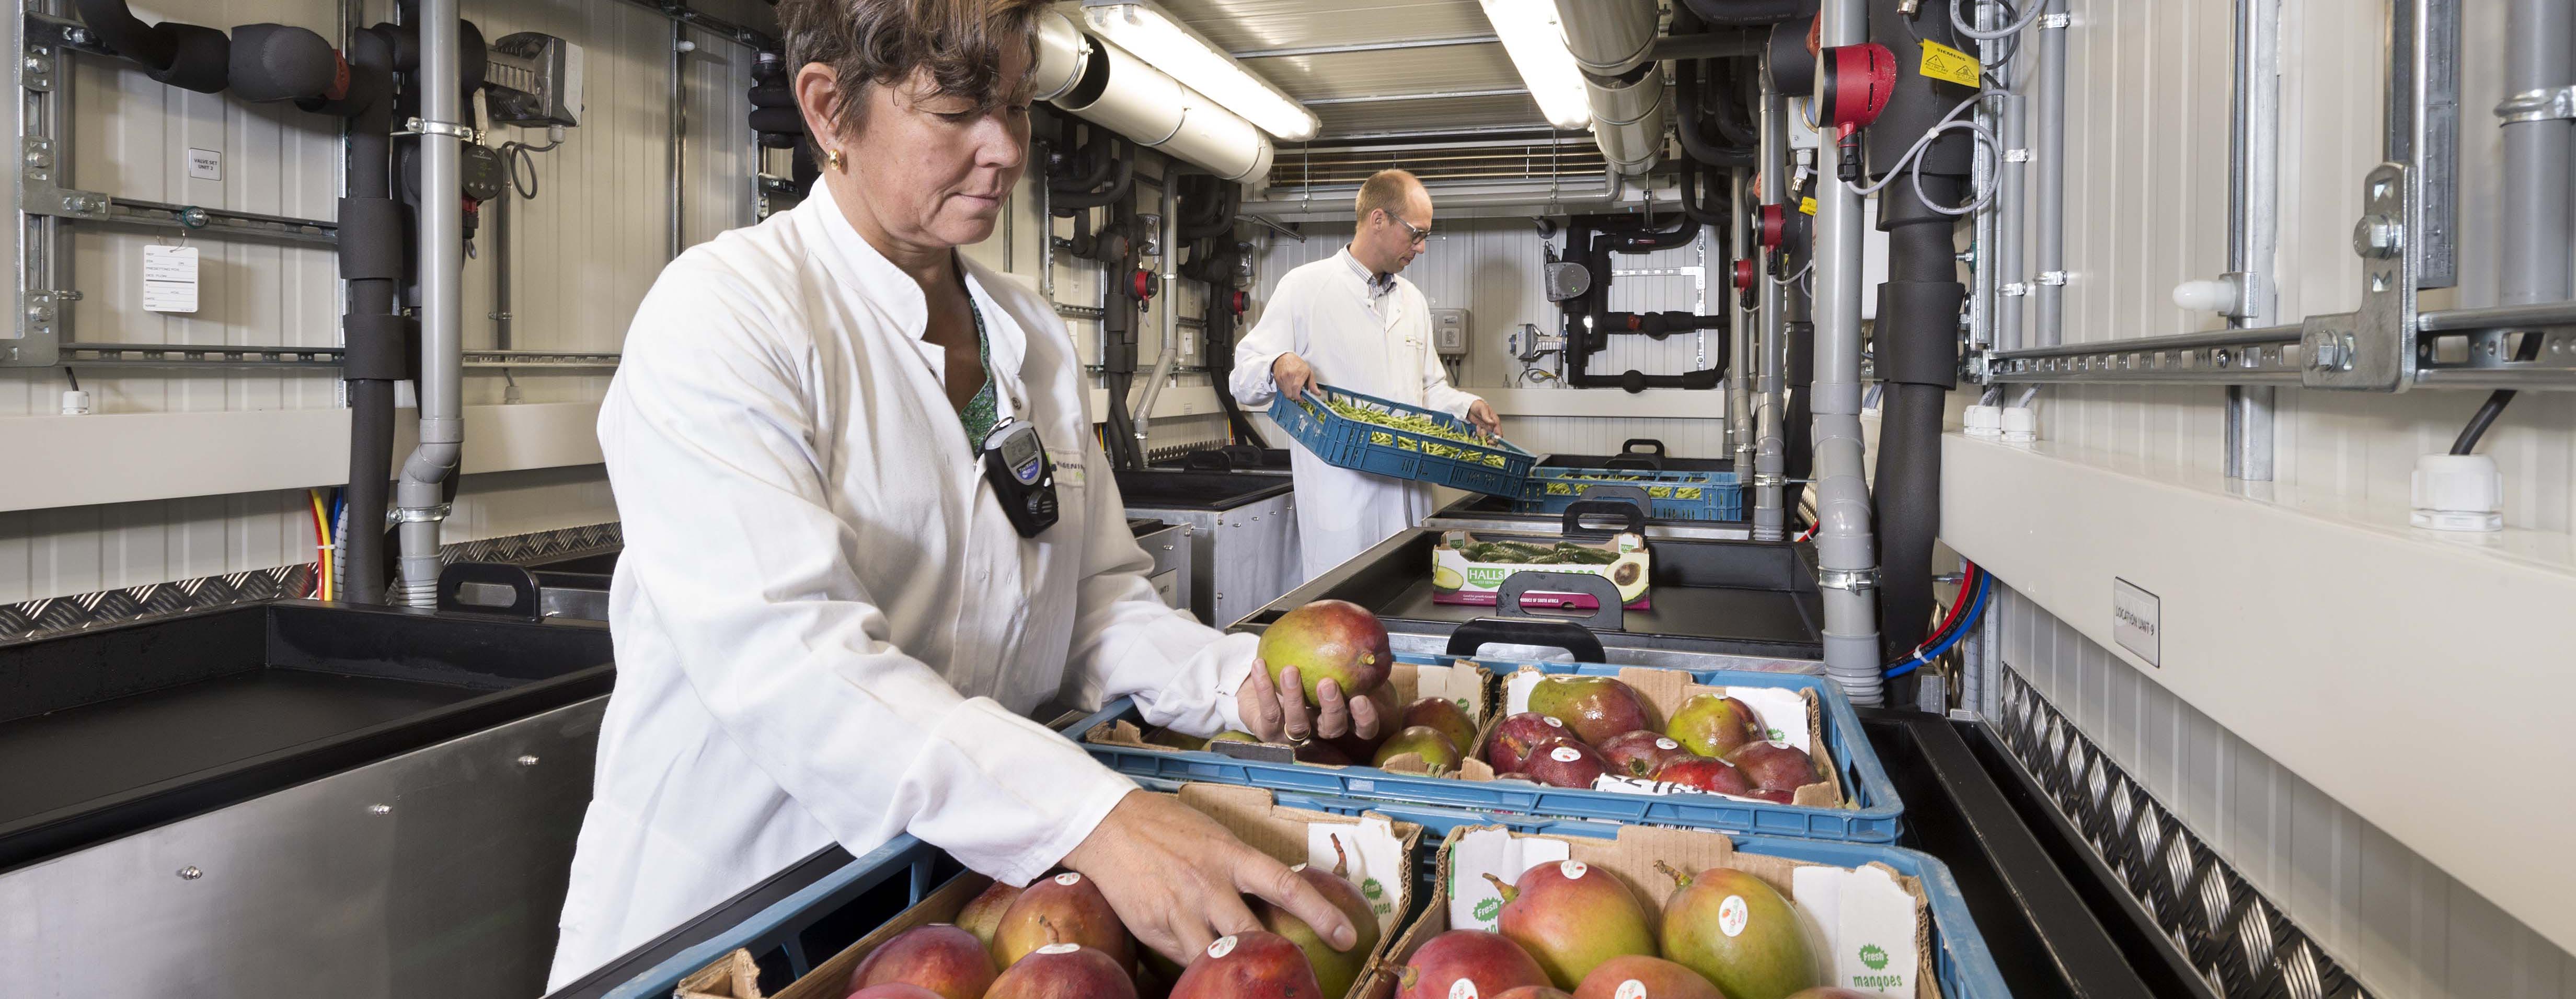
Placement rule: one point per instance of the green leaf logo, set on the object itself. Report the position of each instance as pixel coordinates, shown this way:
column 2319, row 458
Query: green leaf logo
column 1369, row 888
column 1778, row 736
column 1872, row 956
column 1488, row 909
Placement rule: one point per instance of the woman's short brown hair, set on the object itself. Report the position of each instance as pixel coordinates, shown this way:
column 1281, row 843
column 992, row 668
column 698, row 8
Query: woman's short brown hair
column 884, row 42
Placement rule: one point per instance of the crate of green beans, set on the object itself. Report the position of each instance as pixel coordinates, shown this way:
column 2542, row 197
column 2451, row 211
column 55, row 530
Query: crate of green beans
column 1368, row 434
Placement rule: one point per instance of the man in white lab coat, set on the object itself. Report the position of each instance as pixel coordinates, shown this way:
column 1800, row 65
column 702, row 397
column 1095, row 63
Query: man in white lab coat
column 1352, row 322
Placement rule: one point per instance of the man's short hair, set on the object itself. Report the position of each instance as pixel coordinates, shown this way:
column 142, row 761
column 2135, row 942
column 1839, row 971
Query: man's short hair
column 1387, row 189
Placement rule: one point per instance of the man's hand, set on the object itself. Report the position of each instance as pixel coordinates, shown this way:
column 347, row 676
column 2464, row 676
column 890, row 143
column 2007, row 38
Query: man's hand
column 1483, row 416
column 1177, row 879
column 1293, row 376
column 1276, row 712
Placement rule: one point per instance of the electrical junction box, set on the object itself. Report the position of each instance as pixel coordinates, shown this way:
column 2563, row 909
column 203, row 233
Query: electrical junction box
column 1449, row 332
column 533, row 79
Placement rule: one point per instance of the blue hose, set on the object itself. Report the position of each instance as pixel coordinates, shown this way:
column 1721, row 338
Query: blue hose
column 1985, row 584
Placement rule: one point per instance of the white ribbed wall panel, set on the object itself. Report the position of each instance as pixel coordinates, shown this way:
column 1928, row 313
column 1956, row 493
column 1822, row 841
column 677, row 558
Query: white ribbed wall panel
column 2405, row 928
column 1490, row 267
column 2147, row 201
column 2147, row 209
column 585, row 250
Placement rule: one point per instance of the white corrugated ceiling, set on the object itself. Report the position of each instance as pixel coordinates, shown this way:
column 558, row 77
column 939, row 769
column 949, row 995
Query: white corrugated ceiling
column 1369, row 68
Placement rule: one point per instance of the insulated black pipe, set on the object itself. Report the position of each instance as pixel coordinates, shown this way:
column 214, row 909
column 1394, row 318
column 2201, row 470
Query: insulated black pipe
column 188, row 56
column 278, row 62
column 1726, row 102
column 1099, row 152
column 1649, row 241
column 1695, row 209
column 1690, row 124
column 1122, row 178
column 1738, row 12
column 1917, row 329
column 372, row 256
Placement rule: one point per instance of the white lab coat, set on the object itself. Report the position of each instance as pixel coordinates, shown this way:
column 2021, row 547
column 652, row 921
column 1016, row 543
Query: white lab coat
column 1368, row 341
column 825, row 628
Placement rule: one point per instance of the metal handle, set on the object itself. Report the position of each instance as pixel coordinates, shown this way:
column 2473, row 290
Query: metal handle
column 488, row 588
column 1565, row 635
column 1630, row 514
column 1608, row 614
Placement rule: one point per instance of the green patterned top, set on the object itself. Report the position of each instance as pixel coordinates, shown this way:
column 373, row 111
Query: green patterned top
column 980, row 414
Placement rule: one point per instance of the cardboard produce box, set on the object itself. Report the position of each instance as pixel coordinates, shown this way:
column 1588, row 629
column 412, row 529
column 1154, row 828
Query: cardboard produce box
column 1467, row 569
column 1380, row 856
column 1463, row 683
column 1875, row 923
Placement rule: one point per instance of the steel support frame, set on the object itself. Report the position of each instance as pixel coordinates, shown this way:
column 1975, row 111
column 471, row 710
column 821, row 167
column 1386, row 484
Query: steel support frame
column 2406, row 240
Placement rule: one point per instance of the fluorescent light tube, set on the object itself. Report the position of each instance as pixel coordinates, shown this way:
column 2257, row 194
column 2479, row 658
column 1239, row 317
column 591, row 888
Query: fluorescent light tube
column 1536, row 42
column 1168, row 45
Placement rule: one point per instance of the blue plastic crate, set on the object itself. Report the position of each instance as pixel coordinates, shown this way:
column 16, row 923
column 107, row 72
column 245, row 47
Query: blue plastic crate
column 1496, row 468
column 1674, row 495
column 1874, row 815
column 1960, row 959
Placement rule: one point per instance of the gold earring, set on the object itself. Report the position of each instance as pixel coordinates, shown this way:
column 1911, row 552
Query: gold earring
column 832, row 158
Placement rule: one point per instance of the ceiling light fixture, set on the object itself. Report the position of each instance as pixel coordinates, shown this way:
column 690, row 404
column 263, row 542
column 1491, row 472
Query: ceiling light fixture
column 1536, row 41
column 1160, row 39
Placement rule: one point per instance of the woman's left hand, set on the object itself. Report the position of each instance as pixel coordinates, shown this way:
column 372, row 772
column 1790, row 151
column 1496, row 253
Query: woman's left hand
column 1277, row 712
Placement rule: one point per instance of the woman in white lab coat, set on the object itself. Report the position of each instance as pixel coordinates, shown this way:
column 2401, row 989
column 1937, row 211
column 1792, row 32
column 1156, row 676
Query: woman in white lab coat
column 827, row 628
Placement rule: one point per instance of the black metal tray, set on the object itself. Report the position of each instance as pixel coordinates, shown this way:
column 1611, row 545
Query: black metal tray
column 2057, row 924
column 111, row 731
column 1181, row 490
column 1640, row 454
column 1745, row 598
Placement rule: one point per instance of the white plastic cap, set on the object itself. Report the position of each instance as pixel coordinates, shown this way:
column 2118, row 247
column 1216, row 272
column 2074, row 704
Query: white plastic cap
column 1985, row 421
column 2206, row 296
column 2458, row 492
column 2021, row 425
column 75, row 403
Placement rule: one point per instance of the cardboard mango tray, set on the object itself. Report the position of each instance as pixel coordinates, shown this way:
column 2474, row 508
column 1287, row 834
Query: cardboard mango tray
column 1249, row 813
column 1854, row 802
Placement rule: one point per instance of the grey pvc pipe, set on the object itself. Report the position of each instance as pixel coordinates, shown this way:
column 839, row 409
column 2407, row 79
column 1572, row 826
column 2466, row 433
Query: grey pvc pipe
column 1739, row 342
column 2048, row 157
column 419, row 494
column 1770, row 445
column 1846, row 550
column 2533, row 263
column 1170, row 353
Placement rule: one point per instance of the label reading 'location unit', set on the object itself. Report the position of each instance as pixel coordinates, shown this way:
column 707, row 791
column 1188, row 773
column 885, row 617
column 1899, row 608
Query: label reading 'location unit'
column 2134, row 620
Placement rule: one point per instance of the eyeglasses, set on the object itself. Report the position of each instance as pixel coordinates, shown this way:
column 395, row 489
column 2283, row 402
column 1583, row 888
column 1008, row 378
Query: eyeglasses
column 1420, row 236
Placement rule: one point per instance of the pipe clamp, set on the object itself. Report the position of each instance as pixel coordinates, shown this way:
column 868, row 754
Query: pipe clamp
column 2017, row 156
column 2052, row 278
column 401, row 514
column 1761, row 481
column 2056, row 21
column 2015, row 289
column 1850, row 580
column 2544, row 104
column 423, row 126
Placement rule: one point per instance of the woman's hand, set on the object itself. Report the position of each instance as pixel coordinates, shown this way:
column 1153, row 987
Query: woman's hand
column 1177, row 879
column 1276, row 712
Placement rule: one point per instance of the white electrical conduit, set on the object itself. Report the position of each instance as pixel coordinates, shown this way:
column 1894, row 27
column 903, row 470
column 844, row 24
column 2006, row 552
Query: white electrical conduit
column 420, row 495
column 1911, row 163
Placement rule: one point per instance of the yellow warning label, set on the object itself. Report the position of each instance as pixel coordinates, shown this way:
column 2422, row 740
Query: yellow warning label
column 1807, row 205
column 1942, row 62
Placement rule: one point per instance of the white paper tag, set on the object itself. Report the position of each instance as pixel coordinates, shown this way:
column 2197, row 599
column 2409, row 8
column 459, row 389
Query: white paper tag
column 1782, row 711
column 1371, row 857
column 1516, row 690
column 1869, row 919
column 169, row 278
column 1617, row 784
column 1473, row 902
column 205, row 164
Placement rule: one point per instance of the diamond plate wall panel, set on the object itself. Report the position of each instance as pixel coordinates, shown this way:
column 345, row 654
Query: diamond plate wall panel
column 50, row 617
